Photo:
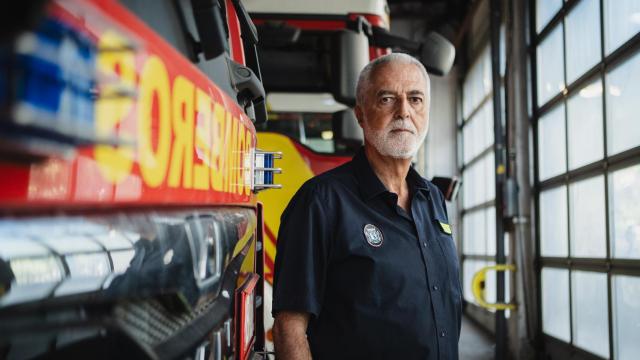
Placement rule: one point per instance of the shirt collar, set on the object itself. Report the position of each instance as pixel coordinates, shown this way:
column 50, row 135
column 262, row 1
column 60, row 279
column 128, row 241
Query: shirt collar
column 369, row 183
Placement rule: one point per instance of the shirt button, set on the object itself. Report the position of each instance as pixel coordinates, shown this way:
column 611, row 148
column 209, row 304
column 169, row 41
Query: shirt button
column 424, row 244
column 443, row 333
column 436, row 288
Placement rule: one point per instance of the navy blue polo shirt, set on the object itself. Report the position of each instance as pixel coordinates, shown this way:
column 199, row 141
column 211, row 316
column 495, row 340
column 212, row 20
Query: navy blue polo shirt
column 379, row 283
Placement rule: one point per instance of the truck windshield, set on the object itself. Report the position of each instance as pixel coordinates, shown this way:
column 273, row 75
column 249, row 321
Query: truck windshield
column 315, row 120
column 314, row 130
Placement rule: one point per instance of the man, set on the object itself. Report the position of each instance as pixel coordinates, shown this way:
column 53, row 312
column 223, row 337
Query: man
column 366, row 267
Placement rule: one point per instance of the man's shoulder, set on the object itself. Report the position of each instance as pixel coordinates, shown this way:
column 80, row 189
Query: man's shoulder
column 324, row 190
column 336, row 180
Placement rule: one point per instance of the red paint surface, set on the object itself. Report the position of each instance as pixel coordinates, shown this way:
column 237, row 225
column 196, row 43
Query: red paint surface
column 319, row 163
column 77, row 182
column 268, row 262
column 309, row 24
column 235, row 41
column 333, row 25
column 373, row 19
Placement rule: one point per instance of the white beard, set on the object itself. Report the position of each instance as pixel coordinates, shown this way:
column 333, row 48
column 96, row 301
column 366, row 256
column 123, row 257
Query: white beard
column 398, row 145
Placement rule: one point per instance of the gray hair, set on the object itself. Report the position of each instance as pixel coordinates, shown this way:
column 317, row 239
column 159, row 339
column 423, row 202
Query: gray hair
column 365, row 74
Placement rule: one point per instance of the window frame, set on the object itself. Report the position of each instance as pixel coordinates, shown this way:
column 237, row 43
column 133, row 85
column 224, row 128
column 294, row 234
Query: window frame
column 477, row 160
column 602, row 167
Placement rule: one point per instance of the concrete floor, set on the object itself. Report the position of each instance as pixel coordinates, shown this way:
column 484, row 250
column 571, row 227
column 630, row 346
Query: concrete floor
column 475, row 343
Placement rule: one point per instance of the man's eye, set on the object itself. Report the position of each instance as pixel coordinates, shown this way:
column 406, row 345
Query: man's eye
column 386, row 100
column 416, row 100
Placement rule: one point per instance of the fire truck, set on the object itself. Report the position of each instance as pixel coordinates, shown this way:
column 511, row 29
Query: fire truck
column 129, row 222
column 311, row 55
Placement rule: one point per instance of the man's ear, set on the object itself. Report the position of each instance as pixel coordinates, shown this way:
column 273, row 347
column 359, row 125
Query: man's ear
column 357, row 110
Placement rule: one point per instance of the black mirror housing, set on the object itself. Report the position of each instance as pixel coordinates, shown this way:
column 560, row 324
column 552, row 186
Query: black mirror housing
column 437, row 54
column 209, row 24
column 351, row 57
column 448, row 186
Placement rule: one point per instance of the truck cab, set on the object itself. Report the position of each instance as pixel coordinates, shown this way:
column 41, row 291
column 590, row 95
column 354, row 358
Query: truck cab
column 129, row 222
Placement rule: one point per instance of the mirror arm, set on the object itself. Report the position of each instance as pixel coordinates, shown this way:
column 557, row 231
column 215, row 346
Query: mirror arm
column 249, row 31
column 360, row 24
column 381, row 37
column 248, row 87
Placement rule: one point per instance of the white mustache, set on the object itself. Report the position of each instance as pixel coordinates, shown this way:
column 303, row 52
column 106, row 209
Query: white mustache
column 402, row 125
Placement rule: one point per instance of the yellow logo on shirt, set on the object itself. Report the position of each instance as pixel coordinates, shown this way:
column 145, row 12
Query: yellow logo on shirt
column 445, row 227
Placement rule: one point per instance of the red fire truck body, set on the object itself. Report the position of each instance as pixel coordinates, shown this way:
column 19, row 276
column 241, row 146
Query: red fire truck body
column 128, row 162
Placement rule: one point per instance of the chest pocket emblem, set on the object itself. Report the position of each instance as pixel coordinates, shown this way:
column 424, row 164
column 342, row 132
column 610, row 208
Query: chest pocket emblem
column 446, row 228
column 373, row 235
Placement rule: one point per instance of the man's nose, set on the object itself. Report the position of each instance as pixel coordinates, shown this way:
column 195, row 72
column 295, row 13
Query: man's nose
column 403, row 108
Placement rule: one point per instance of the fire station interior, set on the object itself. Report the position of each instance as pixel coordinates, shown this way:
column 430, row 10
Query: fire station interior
column 537, row 116
column 536, row 129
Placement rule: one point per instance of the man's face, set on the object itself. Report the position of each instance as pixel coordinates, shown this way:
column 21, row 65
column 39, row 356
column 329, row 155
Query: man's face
column 394, row 116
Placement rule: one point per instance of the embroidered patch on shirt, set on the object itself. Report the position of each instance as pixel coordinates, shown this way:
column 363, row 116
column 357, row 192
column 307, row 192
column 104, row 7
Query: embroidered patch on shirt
column 445, row 227
column 373, row 235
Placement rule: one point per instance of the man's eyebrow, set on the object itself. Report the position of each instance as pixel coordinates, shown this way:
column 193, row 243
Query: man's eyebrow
column 416, row 92
column 384, row 92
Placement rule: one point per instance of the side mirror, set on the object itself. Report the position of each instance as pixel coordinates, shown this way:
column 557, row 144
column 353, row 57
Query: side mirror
column 347, row 134
column 250, row 92
column 437, row 54
column 277, row 34
column 346, row 126
column 209, row 24
column 448, row 186
column 351, row 56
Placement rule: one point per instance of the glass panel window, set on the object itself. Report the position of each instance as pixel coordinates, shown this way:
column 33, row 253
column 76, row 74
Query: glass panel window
column 621, row 22
column 553, row 222
column 478, row 132
column 545, row 10
column 470, row 268
column 480, row 232
column 583, row 38
column 625, row 212
column 626, row 321
column 555, row 303
column 623, row 124
column 491, row 283
column 471, row 186
column 467, row 229
column 477, row 84
column 587, row 219
column 550, row 67
column 590, row 314
column 478, row 185
column 474, row 233
column 584, row 122
column 551, row 144
column 471, row 137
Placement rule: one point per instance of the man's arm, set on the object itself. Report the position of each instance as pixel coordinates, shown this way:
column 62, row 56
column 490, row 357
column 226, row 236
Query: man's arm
column 290, row 336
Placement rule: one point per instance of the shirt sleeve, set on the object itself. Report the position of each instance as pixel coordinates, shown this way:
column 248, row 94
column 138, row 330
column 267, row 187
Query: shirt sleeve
column 302, row 254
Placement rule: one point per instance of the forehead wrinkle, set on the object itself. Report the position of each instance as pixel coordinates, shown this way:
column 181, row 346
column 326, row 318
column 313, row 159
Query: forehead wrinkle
column 382, row 92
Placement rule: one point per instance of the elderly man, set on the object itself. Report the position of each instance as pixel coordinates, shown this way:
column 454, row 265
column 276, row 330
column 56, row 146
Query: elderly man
column 366, row 265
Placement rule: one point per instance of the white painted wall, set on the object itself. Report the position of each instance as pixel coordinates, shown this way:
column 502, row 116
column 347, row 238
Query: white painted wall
column 439, row 150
